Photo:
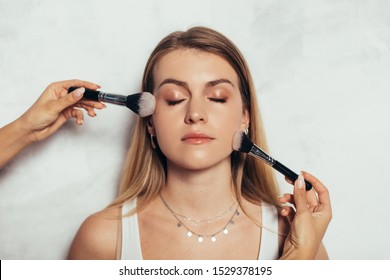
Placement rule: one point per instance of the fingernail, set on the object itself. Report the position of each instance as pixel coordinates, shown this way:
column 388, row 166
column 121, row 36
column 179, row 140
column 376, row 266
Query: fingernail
column 283, row 211
column 79, row 92
column 301, row 182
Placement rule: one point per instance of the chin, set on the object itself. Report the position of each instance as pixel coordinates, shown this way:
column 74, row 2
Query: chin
column 201, row 163
column 198, row 157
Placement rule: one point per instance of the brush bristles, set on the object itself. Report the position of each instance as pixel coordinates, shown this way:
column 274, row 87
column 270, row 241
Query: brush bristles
column 237, row 139
column 142, row 104
column 147, row 104
column 241, row 142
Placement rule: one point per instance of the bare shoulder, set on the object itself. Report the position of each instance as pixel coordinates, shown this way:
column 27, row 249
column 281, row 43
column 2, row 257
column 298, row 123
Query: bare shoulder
column 97, row 236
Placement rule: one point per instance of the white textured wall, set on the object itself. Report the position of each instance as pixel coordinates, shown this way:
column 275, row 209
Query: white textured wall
column 322, row 72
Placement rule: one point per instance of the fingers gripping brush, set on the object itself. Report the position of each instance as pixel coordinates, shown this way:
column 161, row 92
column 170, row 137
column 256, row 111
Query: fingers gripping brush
column 242, row 143
column 143, row 104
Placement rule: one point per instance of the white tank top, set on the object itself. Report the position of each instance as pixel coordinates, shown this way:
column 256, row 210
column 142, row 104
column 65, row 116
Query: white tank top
column 269, row 247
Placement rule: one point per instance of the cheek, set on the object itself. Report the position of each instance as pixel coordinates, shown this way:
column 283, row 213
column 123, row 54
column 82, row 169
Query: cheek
column 160, row 124
column 162, row 114
column 230, row 118
column 226, row 125
column 165, row 127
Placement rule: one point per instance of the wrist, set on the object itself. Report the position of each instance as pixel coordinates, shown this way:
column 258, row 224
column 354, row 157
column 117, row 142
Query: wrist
column 296, row 254
column 14, row 137
column 23, row 131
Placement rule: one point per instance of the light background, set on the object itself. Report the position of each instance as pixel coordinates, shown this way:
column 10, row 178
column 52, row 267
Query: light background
column 322, row 74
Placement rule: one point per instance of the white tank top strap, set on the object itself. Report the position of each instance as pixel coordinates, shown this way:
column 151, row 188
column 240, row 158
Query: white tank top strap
column 269, row 247
column 131, row 243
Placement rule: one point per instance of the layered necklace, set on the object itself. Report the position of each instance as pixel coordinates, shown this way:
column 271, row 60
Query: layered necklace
column 182, row 219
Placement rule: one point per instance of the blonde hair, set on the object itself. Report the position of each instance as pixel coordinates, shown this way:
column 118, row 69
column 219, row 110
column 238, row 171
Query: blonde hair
column 145, row 170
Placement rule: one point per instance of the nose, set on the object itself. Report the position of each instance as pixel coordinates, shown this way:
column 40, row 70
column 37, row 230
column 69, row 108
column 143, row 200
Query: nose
column 195, row 112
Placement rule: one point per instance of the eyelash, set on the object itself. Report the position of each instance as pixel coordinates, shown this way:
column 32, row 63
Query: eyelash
column 175, row 102
column 218, row 100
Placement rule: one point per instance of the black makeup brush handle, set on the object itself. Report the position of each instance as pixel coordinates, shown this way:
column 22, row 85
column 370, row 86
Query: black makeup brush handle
column 289, row 173
column 88, row 94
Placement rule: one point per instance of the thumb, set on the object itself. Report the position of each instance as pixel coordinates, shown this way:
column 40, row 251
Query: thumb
column 300, row 195
column 69, row 100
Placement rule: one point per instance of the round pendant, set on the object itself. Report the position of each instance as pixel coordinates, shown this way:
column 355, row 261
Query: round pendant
column 189, row 234
column 225, row 231
column 200, row 239
column 213, row 239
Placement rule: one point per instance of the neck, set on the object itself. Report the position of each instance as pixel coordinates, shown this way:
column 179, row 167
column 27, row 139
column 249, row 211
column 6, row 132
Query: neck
column 199, row 193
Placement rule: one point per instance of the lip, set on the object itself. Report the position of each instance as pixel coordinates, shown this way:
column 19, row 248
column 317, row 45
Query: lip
column 197, row 138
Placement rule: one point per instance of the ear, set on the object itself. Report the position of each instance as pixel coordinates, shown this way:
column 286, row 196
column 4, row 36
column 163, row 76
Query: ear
column 245, row 120
column 150, row 126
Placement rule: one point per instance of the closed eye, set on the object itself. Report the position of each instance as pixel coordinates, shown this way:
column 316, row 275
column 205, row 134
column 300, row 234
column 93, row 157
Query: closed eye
column 218, row 100
column 174, row 102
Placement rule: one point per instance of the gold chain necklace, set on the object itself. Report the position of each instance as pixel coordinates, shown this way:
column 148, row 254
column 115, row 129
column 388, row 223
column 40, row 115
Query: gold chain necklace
column 200, row 237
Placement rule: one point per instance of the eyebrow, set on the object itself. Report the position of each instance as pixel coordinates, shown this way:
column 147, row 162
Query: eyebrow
column 219, row 81
column 175, row 82
column 185, row 85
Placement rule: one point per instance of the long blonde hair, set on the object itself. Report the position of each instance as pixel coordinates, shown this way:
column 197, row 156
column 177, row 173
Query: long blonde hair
column 144, row 173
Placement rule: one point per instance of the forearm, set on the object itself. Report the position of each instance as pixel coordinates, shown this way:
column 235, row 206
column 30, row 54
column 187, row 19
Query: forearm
column 14, row 137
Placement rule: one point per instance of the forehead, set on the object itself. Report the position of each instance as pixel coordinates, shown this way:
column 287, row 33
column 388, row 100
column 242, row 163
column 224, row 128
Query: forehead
column 193, row 65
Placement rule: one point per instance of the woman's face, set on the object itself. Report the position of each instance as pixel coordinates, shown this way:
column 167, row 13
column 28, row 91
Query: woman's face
column 198, row 108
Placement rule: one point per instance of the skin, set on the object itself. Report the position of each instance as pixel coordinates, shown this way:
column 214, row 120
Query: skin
column 197, row 92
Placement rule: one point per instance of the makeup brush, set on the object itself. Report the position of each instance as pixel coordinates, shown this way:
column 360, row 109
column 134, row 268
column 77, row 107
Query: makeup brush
column 242, row 143
column 142, row 103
